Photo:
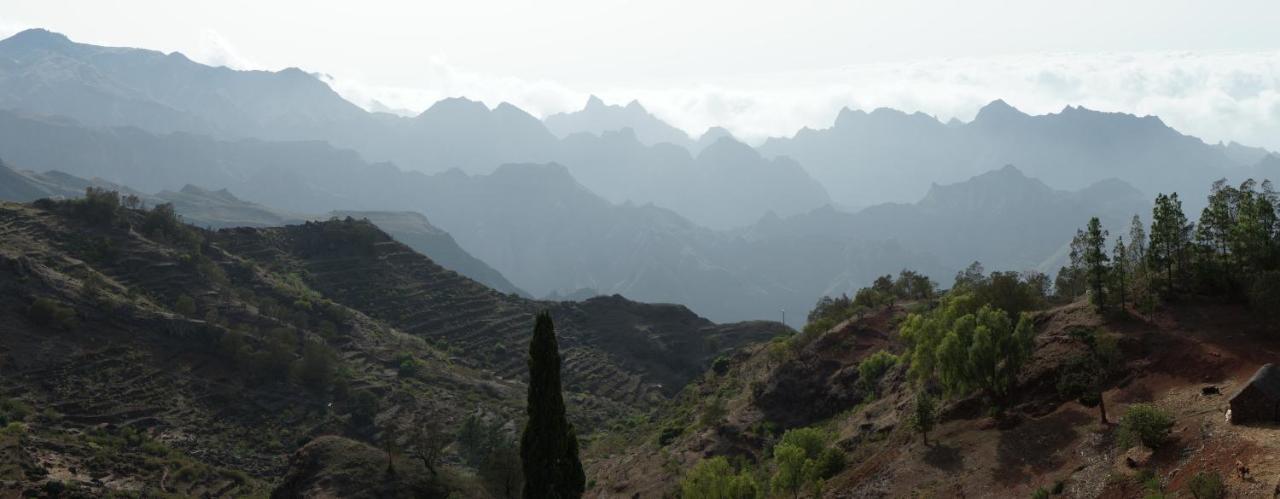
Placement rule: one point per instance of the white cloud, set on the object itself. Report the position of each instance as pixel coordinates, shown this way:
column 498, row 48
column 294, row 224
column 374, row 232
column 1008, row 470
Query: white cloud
column 215, row 50
column 1212, row 95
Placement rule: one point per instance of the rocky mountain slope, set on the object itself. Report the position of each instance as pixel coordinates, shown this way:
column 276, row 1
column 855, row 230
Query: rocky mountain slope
column 1187, row 359
column 161, row 358
column 221, row 209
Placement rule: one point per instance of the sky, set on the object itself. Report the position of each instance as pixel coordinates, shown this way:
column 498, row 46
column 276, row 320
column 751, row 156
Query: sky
column 1211, row 69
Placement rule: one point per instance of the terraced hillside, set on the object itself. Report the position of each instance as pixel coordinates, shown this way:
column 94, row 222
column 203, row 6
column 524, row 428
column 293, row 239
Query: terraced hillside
column 141, row 355
column 628, row 352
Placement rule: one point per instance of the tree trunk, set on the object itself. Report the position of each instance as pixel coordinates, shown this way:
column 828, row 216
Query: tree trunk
column 925, row 434
column 1102, row 407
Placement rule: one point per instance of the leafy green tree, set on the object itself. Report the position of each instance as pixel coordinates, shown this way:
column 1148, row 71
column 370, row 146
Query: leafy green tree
column 1096, row 261
column 802, row 458
column 99, row 207
column 984, row 350
column 912, row 285
column 924, row 414
column 1145, row 423
column 1085, row 377
column 872, row 368
column 789, row 476
column 715, row 478
column 972, row 276
column 1012, row 292
column 549, row 446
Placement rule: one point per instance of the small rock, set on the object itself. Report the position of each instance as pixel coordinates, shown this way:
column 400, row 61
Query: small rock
column 1137, row 457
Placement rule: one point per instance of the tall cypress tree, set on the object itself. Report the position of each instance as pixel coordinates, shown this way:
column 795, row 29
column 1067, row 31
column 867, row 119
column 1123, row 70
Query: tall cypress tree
column 549, row 447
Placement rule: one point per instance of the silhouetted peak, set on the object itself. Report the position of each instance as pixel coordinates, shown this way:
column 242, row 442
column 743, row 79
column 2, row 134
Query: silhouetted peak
column 1112, row 189
column 297, row 73
column 526, row 171
column 726, row 150
column 593, row 102
column 849, row 117
column 222, row 194
column 634, row 105
column 1007, row 171
column 456, row 105
column 998, row 111
column 38, row 38
column 714, row 134
column 508, row 108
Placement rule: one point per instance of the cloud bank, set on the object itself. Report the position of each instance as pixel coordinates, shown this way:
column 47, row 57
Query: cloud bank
column 1217, row 96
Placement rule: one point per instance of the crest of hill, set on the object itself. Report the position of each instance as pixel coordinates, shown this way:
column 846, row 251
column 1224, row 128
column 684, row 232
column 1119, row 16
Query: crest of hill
column 596, row 118
column 341, row 284
column 879, row 156
column 630, row 351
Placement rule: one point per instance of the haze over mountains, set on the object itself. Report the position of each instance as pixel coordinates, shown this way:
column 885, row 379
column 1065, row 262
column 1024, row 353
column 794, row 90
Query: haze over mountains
column 608, row 199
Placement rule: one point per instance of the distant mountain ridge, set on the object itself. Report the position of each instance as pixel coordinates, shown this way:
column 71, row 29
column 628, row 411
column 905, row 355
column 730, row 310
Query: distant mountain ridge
column 222, row 209
column 596, row 118
column 45, row 73
column 881, row 156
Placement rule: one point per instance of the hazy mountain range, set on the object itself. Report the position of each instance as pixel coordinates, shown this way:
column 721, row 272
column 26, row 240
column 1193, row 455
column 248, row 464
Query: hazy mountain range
column 604, row 200
column 46, row 73
column 881, row 156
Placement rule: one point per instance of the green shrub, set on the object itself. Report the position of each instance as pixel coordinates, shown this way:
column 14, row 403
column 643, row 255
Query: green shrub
column 713, row 412
column 872, row 368
column 715, row 478
column 1207, row 485
column 720, row 365
column 1145, row 423
column 803, row 459
column 98, row 207
column 668, row 434
column 185, row 306
column 46, row 312
column 1040, row 493
column 408, row 365
column 315, row 369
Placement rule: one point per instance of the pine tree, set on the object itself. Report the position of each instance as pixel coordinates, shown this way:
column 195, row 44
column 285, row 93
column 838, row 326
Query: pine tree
column 1120, row 269
column 549, row 446
column 1137, row 243
column 1095, row 261
column 1170, row 234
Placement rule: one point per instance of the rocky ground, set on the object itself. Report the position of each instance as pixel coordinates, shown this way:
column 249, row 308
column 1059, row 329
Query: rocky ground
column 1043, row 441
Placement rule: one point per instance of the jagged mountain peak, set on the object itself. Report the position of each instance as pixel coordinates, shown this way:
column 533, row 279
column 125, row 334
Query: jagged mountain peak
column 452, row 105
column 998, row 112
